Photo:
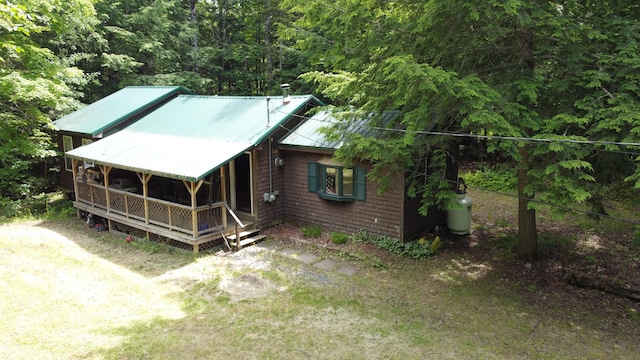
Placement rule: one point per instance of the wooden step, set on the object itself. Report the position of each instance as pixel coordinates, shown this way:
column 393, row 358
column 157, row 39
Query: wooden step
column 249, row 241
column 243, row 234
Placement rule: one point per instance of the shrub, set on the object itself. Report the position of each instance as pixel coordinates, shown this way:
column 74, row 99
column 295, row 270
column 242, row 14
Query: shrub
column 499, row 179
column 48, row 205
column 9, row 208
column 361, row 236
column 311, row 231
column 338, row 238
column 414, row 249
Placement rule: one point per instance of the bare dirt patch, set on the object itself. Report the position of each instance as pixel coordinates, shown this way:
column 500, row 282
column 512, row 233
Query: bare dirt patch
column 247, row 287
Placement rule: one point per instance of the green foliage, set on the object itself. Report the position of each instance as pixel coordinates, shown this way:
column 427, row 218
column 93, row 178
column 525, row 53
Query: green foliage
column 59, row 207
column 498, row 179
column 34, row 205
column 34, row 86
column 413, row 249
column 311, row 231
column 338, row 237
column 9, row 208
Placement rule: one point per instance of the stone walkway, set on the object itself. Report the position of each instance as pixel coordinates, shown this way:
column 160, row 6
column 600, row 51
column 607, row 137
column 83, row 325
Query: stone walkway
column 310, row 259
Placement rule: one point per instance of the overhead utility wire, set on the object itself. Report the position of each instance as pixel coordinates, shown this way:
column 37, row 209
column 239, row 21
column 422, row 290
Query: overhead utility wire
column 302, row 136
column 635, row 222
column 512, row 138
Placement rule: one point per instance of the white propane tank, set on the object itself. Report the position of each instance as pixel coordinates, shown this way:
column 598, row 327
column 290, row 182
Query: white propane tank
column 459, row 219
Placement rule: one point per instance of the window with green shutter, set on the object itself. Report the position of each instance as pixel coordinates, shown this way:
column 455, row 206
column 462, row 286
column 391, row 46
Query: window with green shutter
column 336, row 182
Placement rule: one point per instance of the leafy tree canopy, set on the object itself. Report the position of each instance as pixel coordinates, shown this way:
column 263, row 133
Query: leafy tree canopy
column 33, row 88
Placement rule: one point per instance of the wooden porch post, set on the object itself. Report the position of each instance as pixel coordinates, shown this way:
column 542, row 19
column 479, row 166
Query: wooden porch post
column 144, row 179
column 223, row 190
column 105, row 172
column 74, row 164
column 192, row 188
column 232, row 185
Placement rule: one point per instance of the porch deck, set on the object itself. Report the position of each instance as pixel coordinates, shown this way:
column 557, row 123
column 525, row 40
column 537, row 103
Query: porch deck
column 192, row 225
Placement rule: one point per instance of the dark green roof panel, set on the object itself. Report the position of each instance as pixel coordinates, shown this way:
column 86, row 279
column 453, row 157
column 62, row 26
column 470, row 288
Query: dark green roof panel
column 115, row 108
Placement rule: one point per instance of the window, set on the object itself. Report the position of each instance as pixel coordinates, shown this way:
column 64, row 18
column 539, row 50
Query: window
column 87, row 142
column 67, row 145
column 336, row 182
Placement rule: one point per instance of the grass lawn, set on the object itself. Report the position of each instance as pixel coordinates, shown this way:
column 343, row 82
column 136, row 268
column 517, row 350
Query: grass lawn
column 71, row 293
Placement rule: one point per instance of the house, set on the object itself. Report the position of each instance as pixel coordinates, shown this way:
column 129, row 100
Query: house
column 200, row 172
column 194, row 172
column 321, row 191
column 105, row 117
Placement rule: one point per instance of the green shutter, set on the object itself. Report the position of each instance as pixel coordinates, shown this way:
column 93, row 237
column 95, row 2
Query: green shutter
column 313, row 177
column 360, row 183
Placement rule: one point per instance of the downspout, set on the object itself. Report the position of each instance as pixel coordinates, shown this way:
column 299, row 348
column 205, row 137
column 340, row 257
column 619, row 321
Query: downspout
column 270, row 168
column 270, row 140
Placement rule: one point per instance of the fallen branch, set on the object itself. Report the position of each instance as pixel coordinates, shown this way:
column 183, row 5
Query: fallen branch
column 600, row 283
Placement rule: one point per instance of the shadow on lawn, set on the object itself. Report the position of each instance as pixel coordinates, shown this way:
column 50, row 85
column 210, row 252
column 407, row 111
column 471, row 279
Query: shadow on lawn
column 149, row 260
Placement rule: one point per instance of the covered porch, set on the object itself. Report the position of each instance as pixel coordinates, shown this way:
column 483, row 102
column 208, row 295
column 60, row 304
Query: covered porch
column 195, row 214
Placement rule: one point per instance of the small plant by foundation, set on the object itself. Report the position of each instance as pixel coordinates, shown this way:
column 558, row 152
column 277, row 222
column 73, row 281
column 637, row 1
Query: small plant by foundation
column 338, row 237
column 311, row 231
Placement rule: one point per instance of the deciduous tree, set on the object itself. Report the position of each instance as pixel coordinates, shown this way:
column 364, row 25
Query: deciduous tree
column 33, row 88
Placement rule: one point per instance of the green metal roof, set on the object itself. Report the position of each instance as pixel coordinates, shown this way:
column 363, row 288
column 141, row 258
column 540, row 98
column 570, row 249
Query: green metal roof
column 115, row 108
column 191, row 136
column 308, row 134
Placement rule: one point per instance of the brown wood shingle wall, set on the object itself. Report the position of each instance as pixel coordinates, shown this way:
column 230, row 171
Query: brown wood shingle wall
column 379, row 214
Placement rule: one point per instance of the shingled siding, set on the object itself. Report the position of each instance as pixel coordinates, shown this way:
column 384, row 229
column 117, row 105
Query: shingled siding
column 269, row 214
column 378, row 214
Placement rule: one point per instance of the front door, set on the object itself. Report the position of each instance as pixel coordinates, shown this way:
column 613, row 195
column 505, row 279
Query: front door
column 241, row 185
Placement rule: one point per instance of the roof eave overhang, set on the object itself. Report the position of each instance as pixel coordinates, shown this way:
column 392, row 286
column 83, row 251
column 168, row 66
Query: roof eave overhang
column 185, row 177
column 309, row 149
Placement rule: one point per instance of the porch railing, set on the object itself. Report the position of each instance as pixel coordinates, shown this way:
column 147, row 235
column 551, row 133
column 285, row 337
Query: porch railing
column 197, row 221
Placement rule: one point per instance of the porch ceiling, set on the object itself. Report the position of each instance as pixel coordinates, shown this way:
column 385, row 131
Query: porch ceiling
column 191, row 136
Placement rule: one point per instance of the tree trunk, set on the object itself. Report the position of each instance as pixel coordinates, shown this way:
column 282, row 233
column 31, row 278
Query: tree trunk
column 527, row 230
column 268, row 48
column 194, row 40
